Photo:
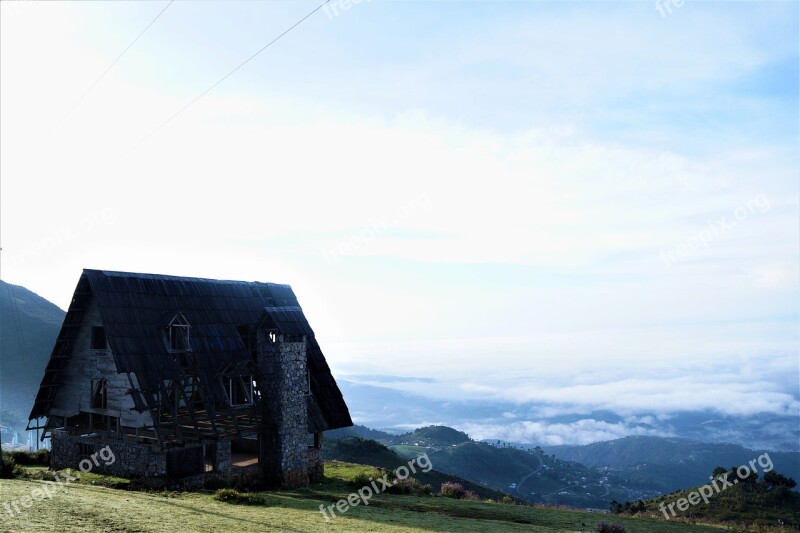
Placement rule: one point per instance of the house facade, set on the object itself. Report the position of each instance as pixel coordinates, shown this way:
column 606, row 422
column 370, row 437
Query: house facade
column 188, row 379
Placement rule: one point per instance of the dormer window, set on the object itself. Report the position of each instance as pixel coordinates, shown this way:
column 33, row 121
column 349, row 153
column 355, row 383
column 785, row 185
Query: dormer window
column 178, row 334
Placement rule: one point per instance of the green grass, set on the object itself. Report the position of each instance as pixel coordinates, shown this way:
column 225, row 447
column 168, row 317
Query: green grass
column 738, row 504
column 85, row 507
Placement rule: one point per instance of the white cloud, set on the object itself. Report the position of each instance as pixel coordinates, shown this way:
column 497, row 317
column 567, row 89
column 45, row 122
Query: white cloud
column 532, row 274
column 583, row 431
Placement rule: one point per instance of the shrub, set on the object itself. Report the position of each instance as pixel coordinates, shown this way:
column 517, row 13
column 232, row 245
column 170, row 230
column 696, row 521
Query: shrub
column 452, row 490
column 42, row 457
column 488, row 500
column 403, row 486
column 7, row 470
column 39, row 457
column 227, row 495
column 606, row 527
column 508, row 500
column 362, row 479
column 471, row 496
column 243, row 498
column 410, row 486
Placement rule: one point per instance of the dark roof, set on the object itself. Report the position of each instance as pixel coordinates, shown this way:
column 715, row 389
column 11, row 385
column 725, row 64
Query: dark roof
column 135, row 309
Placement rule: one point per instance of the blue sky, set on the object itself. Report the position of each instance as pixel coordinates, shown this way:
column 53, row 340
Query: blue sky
column 563, row 207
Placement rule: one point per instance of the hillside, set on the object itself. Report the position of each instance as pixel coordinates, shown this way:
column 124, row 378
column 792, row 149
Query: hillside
column 372, row 453
column 87, row 506
column 529, row 474
column 675, row 463
column 29, row 325
column 359, row 431
column 767, row 501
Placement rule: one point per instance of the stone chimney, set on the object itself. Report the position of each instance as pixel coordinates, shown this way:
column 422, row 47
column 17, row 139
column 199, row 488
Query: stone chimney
column 283, row 455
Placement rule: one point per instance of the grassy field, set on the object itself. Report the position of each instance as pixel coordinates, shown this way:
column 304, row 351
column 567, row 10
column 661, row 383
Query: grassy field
column 82, row 506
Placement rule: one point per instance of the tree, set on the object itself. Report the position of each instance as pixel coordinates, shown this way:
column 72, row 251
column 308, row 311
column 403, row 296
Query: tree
column 774, row 479
column 718, row 471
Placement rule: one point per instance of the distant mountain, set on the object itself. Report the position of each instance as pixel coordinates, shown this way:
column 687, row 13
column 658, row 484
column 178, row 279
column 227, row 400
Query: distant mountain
column 434, row 436
column 676, row 462
column 529, row 474
column 589, row 476
column 426, row 436
column 359, row 431
column 29, row 325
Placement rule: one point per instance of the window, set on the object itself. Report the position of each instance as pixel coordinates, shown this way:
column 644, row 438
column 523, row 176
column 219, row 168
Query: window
column 99, row 394
column 178, row 334
column 238, row 390
column 99, row 341
column 210, row 456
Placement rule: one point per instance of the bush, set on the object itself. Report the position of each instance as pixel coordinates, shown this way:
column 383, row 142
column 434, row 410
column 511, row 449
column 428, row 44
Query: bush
column 362, row 479
column 508, row 500
column 606, row 527
column 452, row 490
column 403, row 486
column 410, row 486
column 39, row 457
column 227, row 495
column 471, row 496
column 243, row 498
column 7, row 470
column 43, row 457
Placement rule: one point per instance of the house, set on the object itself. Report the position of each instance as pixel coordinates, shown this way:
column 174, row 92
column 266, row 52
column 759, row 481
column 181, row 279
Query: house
column 188, row 379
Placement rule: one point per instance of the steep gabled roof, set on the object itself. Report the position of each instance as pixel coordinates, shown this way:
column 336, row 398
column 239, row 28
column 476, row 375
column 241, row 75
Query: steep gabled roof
column 136, row 308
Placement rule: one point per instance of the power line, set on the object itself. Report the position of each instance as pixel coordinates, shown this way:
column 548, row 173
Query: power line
column 226, row 76
column 92, row 86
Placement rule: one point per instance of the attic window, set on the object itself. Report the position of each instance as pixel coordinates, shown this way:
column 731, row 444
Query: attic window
column 178, row 334
column 99, row 341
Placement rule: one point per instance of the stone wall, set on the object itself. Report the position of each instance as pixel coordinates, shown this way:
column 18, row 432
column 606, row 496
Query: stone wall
column 135, row 459
column 284, row 386
column 130, row 459
column 316, row 468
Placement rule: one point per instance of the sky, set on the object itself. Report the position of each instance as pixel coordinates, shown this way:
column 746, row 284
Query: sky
column 560, row 209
